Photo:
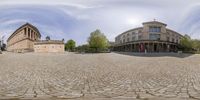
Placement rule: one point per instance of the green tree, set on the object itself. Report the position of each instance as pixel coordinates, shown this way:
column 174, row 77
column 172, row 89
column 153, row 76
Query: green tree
column 186, row 43
column 70, row 45
column 196, row 44
column 98, row 41
column 83, row 48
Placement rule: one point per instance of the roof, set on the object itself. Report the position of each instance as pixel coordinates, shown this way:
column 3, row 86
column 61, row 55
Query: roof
column 48, row 42
column 174, row 32
column 130, row 30
column 21, row 27
column 152, row 22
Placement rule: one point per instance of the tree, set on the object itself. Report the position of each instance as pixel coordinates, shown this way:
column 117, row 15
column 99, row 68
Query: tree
column 83, row 48
column 186, row 43
column 196, row 44
column 98, row 41
column 70, row 45
column 48, row 38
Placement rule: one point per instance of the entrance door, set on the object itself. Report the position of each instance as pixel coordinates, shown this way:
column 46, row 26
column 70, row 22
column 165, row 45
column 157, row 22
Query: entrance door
column 155, row 48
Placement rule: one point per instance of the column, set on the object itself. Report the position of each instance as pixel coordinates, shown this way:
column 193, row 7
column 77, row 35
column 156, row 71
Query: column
column 153, row 47
column 29, row 33
column 139, row 47
column 26, row 31
column 148, row 47
column 34, row 36
column 131, row 48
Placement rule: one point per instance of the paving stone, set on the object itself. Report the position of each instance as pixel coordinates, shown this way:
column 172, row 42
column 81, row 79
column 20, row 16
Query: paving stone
column 109, row 76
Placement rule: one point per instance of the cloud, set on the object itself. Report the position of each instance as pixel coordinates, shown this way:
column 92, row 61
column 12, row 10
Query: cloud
column 70, row 3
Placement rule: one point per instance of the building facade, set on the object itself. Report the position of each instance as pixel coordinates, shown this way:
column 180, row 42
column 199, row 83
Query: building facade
column 27, row 39
column 22, row 40
column 152, row 37
column 46, row 46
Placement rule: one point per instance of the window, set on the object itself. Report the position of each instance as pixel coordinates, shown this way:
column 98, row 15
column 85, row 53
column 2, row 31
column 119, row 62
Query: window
column 139, row 37
column 133, row 38
column 167, row 38
column 154, row 36
column 133, row 33
column 154, row 29
column 173, row 40
column 127, row 39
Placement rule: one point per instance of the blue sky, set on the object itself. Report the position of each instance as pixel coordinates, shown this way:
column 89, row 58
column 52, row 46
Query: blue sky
column 76, row 19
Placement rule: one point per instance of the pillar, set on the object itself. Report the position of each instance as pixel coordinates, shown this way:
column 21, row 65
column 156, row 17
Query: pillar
column 153, row 47
column 131, row 48
column 33, row 35
column 29, row 34
column 26, row 32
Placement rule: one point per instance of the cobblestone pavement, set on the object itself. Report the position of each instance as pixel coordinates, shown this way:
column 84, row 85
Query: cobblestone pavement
column 108, row 76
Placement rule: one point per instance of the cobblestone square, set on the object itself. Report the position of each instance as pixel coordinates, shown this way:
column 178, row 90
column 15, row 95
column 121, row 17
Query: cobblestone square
column 104, row 76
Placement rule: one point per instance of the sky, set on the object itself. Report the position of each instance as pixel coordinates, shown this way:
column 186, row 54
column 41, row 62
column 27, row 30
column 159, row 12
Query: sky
column 76, row 19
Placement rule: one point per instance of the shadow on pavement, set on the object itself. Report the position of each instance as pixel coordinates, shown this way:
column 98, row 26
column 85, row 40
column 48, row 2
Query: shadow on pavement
column 179, row 55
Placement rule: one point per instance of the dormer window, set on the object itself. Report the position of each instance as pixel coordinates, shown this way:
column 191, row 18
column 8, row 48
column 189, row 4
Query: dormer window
column 154, row 29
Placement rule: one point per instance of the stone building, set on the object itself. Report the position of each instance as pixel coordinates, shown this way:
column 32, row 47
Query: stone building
column 152, row 37
column 22, row 40
column 27, row 39
column 49, row 46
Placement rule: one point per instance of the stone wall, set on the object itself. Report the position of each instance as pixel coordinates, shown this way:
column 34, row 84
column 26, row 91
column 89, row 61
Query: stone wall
column 45, row 48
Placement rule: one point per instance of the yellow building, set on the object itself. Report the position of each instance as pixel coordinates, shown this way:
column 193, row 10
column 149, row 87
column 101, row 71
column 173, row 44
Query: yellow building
column 22, row 40
column 27, row 39
column 49, row 46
